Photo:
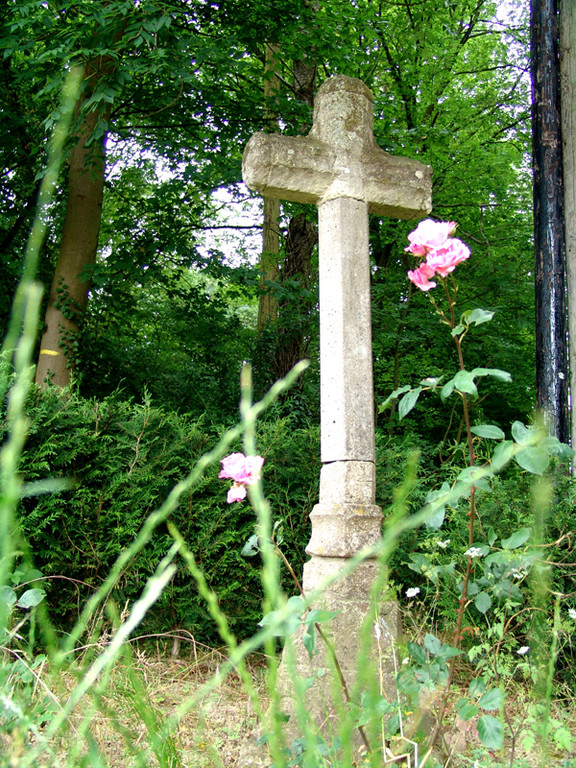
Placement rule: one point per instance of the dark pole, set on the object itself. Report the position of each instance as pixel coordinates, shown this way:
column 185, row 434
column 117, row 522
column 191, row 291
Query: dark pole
column 549, row 244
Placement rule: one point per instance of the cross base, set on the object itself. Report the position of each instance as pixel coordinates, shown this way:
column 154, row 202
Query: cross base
column 342, row 530
column 369, row 665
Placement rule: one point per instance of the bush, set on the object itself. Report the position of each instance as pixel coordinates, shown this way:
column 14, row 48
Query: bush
column 123, row 459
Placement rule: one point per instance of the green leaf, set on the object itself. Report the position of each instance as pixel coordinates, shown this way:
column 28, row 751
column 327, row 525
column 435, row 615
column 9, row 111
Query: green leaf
column 517, row 539
column 493, row 698
column 431, row 381
column 477, row 686
column 533, row 459
column 494, row 372
column 7, row 595
column 32, row 575
column 447, row 389
column 31, row 598
column 432, row 644
column 483, row 601
column 251, row 547
column 458, row 329
column 436, row 517
column 467, row 710
column 464, row 382
column 318, row 616
column 309, row 640
column 418, row 654
column 491, row 732
column 393, row 396
column 285, row 621
column 435, row 501
column 502, row 455
column 478, row 316
column 408, row 402
column 554, row 447
column 521, row 434
column 488, row 431
column 472, row 476
column 563, row 738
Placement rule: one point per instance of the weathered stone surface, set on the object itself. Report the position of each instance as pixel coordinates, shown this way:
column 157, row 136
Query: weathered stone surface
column 356, row 585
column 346, row 389
column 325, row 698
column 348, row 482
column 338, row 158
column 339, row 168
column 341, row 530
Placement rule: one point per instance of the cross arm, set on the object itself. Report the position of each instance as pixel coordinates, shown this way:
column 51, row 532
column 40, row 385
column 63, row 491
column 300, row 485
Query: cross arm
column 295, row 168
column 304, row 169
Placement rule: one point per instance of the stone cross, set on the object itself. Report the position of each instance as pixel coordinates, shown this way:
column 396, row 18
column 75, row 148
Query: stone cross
column 339, row 167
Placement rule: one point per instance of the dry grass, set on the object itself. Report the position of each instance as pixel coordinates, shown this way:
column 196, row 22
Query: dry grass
column 139, row 697
column 211, row 736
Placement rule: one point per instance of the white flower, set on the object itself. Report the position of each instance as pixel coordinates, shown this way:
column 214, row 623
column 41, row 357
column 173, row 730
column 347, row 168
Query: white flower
column 473, row 552
column 412, row 592
column 572, row 613
column 444, row 544
column 522, row 651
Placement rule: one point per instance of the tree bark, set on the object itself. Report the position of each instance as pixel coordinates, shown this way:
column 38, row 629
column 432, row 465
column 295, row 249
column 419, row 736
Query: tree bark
column 71, row 283
column 295, row 318
column 269, row 268
column 568, row 119
column 551, row 332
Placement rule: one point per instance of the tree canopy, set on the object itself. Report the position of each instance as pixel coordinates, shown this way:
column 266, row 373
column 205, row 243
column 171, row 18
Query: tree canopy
column 171, row 93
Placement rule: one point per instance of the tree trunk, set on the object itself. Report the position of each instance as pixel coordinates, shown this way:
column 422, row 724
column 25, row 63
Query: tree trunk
column 568, row 110
column 295, row 315
column 551, row 336
column 292, row 342
column 69, row 292
column 269, row 268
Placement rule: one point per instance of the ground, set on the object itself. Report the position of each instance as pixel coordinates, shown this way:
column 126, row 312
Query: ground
column 134, row 705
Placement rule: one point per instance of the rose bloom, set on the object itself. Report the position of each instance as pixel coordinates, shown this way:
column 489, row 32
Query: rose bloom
column 444, row 260
column 242, row 469
column 236, row 492
column 429, row 234
column 421, row 277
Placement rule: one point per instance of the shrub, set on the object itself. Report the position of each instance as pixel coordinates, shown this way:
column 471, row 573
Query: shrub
column 122, row 459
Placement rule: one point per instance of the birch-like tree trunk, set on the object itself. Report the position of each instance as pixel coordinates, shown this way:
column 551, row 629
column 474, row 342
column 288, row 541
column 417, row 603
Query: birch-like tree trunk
column 71, row 283
column 568, row 111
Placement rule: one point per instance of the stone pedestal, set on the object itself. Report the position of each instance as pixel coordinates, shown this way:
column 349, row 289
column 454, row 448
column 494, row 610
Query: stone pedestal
column 353, row 635
column 324, row 700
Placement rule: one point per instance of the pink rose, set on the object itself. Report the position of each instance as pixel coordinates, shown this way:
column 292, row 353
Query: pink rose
column 421, row 277
column 429, row 235
column 443, row 260
column 243, row 470
column 232, row 466
column 236, row 492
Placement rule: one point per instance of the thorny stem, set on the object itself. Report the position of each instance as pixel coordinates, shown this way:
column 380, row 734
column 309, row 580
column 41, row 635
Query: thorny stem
column 471, row 460
column 451, row 321
column 328, row 643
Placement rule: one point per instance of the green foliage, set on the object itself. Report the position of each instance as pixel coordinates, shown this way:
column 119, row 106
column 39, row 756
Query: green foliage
column 123, row 459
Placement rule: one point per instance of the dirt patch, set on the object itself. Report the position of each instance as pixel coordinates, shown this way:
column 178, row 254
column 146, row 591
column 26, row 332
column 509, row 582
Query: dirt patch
column 210, row 735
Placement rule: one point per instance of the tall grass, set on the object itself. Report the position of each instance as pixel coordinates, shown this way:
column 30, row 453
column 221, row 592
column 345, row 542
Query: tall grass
column 49, row 701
